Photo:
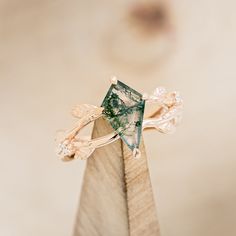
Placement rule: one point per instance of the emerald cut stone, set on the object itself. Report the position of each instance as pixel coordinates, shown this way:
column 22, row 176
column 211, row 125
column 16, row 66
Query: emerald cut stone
column 124, row 109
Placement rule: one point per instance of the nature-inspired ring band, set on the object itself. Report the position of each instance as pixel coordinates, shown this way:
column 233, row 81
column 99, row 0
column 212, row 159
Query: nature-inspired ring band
column 123, row 107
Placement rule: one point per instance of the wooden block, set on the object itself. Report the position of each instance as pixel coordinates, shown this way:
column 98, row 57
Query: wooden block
column 116, row 197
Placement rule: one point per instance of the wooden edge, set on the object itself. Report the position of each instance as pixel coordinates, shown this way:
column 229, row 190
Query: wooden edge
column 116, row 196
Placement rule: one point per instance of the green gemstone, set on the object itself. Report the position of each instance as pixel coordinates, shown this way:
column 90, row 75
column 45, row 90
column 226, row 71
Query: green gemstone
column 124, row 109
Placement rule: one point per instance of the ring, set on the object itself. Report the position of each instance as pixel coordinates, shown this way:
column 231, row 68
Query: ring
column 124, row 108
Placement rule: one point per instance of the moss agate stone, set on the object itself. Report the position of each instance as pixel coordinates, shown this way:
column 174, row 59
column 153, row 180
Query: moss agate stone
column 124, row 109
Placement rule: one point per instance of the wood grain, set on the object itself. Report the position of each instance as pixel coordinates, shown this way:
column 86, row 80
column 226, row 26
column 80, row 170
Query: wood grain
column 116, row 197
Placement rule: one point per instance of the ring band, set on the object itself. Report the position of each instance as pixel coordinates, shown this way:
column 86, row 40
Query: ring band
column 164, row 119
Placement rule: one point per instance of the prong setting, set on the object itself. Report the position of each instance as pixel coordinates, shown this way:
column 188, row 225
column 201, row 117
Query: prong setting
column 136, row 153
column 114, row 80
column 145, row 96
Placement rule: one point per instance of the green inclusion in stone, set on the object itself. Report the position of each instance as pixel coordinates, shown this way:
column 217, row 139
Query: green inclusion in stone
column 124, row 109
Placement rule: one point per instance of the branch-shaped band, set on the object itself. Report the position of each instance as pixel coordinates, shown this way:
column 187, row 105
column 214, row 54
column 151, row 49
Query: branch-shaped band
column 165, row 117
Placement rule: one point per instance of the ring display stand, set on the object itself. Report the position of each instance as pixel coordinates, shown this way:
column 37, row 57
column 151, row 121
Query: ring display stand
column 116, row 196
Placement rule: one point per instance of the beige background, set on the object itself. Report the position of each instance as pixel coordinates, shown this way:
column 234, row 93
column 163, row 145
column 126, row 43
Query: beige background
column 55, row 54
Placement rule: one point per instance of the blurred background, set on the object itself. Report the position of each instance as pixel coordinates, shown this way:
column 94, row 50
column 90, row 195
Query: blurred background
column 56, row 54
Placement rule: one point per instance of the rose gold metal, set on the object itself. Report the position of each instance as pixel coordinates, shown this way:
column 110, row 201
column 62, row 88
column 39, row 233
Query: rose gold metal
column 164, row 119
column 113, row 80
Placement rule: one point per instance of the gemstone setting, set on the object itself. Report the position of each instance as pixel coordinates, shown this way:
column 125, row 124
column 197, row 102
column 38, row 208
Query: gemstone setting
column 124, row 109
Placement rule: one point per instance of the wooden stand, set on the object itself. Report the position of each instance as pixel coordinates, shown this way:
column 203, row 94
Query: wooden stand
column 116, row 197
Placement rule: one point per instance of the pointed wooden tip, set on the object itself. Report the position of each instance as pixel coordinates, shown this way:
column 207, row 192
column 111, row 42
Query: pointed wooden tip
column 116, row 197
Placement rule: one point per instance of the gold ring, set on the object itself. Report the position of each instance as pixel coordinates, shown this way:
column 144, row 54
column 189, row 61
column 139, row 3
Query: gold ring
column 124, row 108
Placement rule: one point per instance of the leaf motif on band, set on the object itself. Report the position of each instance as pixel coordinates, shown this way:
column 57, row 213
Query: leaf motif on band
column 82, row 110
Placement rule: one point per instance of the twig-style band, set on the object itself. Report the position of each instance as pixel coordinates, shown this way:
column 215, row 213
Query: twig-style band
column 123, row 107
